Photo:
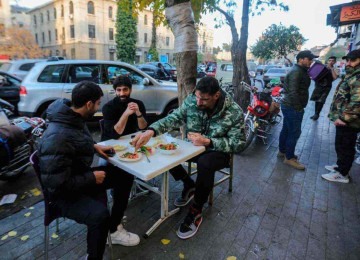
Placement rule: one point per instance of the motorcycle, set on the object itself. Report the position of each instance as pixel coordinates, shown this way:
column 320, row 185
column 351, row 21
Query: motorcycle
column 17, row 139
column 263, row 111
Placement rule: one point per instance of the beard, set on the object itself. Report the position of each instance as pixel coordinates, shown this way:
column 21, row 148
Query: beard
column 123, row 98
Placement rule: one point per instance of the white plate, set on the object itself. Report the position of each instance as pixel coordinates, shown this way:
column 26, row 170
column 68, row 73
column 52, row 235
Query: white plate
column 150, row 152
column 127, row 159
column 119, row 147
column 168, row 152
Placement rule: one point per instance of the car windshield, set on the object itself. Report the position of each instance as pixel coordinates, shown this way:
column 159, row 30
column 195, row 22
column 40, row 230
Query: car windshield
column 278, row 71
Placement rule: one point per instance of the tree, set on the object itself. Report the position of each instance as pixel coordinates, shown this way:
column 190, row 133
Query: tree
column 226, row 46
column 216, row 50
column 20, row 44
column 277, row 42
column 125, row 32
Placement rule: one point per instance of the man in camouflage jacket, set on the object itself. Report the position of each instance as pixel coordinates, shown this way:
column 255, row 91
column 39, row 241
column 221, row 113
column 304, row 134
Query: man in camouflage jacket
column 211, row 119
column 345, row 112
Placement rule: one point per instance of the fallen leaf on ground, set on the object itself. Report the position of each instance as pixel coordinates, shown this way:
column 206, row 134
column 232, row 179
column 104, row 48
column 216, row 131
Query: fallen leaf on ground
column 4, row 237
column 27, row 214
column 23, row 197
column 231, row 258
column 54, row 235
column 181, row 256
column 31, row 208
column 165, row 241
column 35, row 192
column 12, row 233
column 24, row 238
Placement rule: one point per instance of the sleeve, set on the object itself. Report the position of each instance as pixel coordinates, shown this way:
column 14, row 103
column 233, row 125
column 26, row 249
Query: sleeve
column 351, row 110
column 142, row 109
column 56, row 166
column 293, row 89
column 108, row 113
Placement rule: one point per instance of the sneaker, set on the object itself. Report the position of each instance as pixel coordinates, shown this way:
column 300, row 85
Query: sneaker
column 123, row 237
column 336, row 177
column 331, row 168
column 293, row 162
column 282, row 155
column 186, row 196
column 357, row 161
column 190, row 225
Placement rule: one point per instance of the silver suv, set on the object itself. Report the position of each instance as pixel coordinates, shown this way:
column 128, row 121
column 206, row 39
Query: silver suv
column 48, row 81
column 19, row 68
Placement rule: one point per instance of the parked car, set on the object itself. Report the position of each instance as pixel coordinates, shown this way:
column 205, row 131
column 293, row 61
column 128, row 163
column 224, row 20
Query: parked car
column 154, row 71
column 262, row 69
column 275, row 73
column 48, row 81
column 10, row 88
column 168, row 67
column 211, row 68
column 55, row 58
column 226, row 71
column 19, row 68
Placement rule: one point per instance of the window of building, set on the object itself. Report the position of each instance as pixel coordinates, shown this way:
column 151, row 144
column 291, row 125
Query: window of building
column 48, row 15
column 36, row 38
column 92, row 54
column 71, row 7
column 73, row 56
column 72, row 31
column 2, row 30
column 62, row 11
column 54, row 13
column 145, row 19
column 111, row 56
column 0, row 4
column 64, row 53
column 110, row 12
column 34, row 19
column 167, row 41
column 49, row 34
column 63, row 34
column 43, row 37
column 56, row 35
column 41, row 18
column 111, row 34
column 90, row 7
column 145, row 37
column 50, row 53
column 91, row 31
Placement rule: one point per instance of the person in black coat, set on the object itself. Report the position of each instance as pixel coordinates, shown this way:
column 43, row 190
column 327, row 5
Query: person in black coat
column 77, row 190
column 323, row 87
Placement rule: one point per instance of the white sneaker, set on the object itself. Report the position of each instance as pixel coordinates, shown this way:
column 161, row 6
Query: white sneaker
column 336, row 177
column 123, row 237
column 331, row 168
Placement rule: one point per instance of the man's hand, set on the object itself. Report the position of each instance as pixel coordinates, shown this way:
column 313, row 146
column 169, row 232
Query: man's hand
column 339, row 122
column 99, row 176
column 142, row 139
column 129, row 111
column 101, row 149
column 198, row 140
column 134, row 107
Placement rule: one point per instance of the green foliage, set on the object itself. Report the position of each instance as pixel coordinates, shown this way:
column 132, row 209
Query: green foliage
column 200, row 57
column 278, row 41
column 226, row 46
column 216, row 50
column 154, row 53
column 125, row 32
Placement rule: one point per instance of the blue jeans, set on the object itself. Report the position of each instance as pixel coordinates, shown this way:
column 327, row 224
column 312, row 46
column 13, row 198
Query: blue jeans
column 290, row 131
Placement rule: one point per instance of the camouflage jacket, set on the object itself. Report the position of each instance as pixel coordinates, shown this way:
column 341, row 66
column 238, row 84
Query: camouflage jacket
column 346, row 101
column 224, row 127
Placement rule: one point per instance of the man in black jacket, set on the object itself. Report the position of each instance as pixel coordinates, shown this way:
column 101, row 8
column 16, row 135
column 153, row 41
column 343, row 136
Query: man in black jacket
column 296, row 86
column 66, row 153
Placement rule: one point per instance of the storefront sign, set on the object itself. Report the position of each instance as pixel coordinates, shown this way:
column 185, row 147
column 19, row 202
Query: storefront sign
column 350, row 14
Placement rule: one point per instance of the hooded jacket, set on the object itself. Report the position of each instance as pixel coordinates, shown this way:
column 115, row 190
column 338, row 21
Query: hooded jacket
column 224, row 127
column 297, row 83
column 66, row 151
column 346, row 102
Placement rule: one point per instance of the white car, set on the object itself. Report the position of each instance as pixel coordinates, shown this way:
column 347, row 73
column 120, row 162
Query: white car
column 48, row 81
column 19, row 68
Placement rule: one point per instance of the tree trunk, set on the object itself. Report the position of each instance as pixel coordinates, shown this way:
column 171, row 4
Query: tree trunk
column 238, row 56
column 153, row 33
column 181, row 20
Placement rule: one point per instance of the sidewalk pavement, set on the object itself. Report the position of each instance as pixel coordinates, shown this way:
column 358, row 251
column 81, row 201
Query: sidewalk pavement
column 274, row 212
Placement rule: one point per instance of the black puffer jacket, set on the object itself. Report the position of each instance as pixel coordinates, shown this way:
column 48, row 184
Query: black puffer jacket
column 297, row 83
column 66, row 151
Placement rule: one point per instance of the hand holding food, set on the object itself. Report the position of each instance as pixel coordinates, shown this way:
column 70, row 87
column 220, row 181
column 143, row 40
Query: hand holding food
column 142, row 139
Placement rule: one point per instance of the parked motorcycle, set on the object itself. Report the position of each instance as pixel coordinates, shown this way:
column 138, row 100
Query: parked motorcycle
column 17, row 139
column 263, row 111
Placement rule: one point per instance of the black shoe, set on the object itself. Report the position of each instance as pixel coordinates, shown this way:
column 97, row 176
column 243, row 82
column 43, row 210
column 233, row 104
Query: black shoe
column 190, row 225
column 315, row 117
column 186, row 196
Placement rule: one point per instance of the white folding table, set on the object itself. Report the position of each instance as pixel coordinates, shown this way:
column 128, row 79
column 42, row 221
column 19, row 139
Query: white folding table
column 159, row 164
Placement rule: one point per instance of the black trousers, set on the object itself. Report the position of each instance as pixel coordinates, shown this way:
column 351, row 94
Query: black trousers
column 345, row 140
column 89, row 207
column 207, row 164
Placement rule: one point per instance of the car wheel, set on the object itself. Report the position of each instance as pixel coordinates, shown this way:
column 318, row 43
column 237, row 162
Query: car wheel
column 170, row 108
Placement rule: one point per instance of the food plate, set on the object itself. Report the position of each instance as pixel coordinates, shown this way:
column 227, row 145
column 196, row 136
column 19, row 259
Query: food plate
column 167, row 148
column 119, row 147
column 146, row 149
column 126, row 159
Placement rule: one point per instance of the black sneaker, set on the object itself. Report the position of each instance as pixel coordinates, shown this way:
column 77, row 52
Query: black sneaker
column 186, row 196
column 190, row 225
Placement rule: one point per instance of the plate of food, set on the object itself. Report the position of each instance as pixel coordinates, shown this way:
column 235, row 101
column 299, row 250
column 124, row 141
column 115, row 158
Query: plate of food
column 148, row 150
column 168, row 148
column 129, row 157
column 119, row 147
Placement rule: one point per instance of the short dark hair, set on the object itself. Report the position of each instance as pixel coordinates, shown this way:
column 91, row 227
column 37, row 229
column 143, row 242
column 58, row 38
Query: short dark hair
column 332, row 57
column 85, row 91
column 208, row 85
column 122, row 81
